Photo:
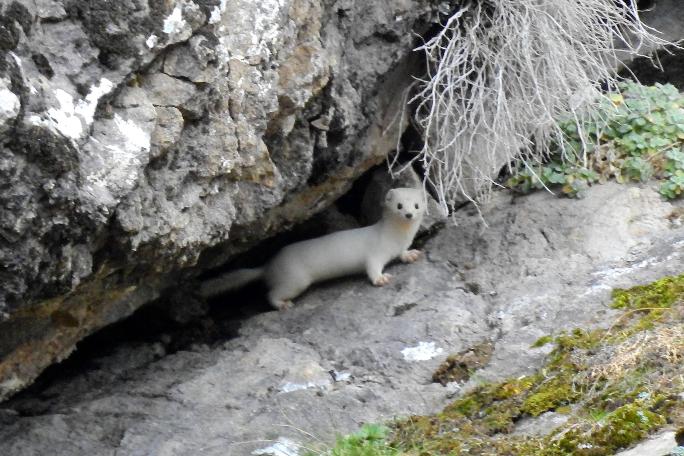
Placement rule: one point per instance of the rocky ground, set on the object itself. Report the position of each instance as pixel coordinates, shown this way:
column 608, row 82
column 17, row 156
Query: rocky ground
column 349, row 353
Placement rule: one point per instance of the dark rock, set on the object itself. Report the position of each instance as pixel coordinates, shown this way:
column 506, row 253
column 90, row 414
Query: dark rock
column 664, row 65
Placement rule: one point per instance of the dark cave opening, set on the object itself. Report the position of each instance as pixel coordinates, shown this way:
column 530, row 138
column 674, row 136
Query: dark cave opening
column 179, row 320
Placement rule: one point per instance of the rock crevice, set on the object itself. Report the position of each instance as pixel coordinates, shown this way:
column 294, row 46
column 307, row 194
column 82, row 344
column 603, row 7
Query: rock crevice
column 136, row 135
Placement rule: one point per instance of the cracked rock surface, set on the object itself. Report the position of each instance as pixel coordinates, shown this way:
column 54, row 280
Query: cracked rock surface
column 349, row 353
column 136, row 134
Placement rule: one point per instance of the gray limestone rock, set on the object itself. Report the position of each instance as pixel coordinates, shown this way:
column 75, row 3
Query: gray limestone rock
column 9, row 106
column 658, row 445
column 165, row 90
column 143, row 142
column 168, row 129
column 349, row 353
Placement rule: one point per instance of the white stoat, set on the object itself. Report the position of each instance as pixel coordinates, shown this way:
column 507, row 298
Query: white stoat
column 338, row 254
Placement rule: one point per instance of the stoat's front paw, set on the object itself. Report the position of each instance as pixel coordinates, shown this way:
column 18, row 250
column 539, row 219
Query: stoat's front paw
column 410, row 256
column 382, row 280
column 283, row 304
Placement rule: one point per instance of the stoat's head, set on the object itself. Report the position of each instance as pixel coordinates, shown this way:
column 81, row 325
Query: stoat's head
column 406, row 204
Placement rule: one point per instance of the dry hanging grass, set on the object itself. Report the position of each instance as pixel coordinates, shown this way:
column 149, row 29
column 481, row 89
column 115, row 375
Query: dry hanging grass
column 665, row 344
column 501, row 73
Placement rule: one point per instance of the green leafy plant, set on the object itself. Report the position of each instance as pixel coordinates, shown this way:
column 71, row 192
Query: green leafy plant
column 370, row 440
column 673, row 187
column 640, row 136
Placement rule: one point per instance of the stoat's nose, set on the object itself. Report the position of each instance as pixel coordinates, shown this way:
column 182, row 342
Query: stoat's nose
column 409, row 215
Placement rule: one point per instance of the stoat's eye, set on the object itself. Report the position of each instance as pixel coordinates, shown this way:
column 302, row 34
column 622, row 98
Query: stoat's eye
column 417, row 206
column 399, row 206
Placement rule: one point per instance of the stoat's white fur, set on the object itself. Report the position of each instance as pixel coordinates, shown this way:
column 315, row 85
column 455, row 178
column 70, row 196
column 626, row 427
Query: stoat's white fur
column 367, row 249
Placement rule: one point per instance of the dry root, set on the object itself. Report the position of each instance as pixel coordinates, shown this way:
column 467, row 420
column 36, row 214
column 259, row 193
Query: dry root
column 501, row 73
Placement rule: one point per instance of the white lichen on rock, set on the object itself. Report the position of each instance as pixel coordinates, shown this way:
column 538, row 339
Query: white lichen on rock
column 255, row 34
column 86, row 108
column 114, row 164
column 178, row 25
column 73, row 119
column 216, row 15
column 421, row 352
column 174, row 22
column 152, row 41
column 135, row 138
column 289, row 387
column 9, row 104
column 282, row 447
column 64, row 119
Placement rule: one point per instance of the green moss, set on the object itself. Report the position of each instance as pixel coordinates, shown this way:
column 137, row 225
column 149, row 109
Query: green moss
column 543, row 340
column 647, row 320
column 605, row 412
column 621, row 428
column 648, row 303
column 468, row 406
column 577, row 338
column 597, row 433
column 557, row 391
column 663, row 293
column 490, row 408
column 567, row 343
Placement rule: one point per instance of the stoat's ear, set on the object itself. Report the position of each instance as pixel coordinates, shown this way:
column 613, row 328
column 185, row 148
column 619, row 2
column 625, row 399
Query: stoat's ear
column 388, row 196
